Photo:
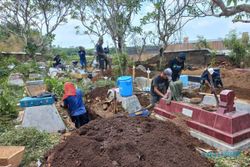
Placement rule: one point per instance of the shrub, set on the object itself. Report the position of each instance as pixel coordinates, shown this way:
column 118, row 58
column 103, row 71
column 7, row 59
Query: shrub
column 55, row 86
column 7, row 103
column 238, row 49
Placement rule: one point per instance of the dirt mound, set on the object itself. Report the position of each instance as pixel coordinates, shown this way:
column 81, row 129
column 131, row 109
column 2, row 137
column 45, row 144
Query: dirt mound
column 238, row 81
column 140, row 73
column 123, row 141
column 107, row 73
column 100, row 92
column 236, row 78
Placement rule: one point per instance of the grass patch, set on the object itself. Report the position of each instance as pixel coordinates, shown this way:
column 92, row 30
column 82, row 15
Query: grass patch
column 243, row 160
column 36, row 143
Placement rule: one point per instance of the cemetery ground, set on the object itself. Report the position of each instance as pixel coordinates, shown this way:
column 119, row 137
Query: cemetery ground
column 112, row 138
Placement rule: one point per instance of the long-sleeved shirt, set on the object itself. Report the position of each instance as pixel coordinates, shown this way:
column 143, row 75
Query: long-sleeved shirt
column 75, row 104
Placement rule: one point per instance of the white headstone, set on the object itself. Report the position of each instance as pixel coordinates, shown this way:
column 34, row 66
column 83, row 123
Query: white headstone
column 131, row 104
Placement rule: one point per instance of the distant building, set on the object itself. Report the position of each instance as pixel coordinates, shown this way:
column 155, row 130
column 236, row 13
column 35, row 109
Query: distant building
column 215, row 45
column 196, row 55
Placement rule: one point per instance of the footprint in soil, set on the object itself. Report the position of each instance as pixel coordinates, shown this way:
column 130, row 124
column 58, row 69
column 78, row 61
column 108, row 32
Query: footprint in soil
column 82, row 131
column 91, row 133
column 119, row 130
column 147, row 127
column 98, row 138
column 177, row 132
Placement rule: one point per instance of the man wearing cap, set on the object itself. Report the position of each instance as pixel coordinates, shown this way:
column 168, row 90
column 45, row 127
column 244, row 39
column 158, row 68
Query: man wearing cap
column 177, row 65
column 159, row 86
column 210, row 78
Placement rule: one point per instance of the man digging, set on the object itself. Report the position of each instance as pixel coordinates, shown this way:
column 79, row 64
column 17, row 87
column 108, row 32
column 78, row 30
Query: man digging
column 72, row 100
column 163, row 87
column 159, row 86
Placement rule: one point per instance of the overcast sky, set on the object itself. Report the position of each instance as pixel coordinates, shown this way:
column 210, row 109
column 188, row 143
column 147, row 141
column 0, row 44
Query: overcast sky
column 209, row 27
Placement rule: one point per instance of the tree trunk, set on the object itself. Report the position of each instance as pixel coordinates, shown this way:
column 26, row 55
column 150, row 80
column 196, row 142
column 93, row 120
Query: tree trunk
column 120, row 44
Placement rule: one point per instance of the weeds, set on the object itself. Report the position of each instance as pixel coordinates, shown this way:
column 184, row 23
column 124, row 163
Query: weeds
column 36, row 143
column 55, row 86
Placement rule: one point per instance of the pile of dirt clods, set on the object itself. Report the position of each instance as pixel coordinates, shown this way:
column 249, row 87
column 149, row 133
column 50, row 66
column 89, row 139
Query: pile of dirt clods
column 130, row 142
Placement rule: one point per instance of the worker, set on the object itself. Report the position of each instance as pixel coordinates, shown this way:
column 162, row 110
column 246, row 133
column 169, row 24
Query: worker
column 108, row 60
column 159, row 86
column 177, row 65
column 58, row 62
column 210, row 78
column 72, row 100
column 174, row 91
column 101, row 56
column 82, row 55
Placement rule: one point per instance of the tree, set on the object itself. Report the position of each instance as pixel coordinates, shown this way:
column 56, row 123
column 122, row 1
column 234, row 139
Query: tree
column 238, row 49
column 169, row 16
column 202, row 43
column 34, row 20
column 139, row 41
column 245, row 38
column 108, row 16
column 86, row 12
column 239, row 9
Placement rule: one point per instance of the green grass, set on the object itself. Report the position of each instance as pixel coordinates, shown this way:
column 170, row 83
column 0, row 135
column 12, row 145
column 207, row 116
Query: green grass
column 36, row 143
column 243, row 160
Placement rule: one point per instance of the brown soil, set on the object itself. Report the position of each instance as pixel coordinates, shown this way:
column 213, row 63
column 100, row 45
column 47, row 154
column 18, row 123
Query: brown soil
column 139, row 73
column 237, row 81
column 100, row 92
column 123, row 141
column 65, row 116
column 95, row 104
column 234, row 78
column 240, row 92
column 108, row 73
column 144, row 99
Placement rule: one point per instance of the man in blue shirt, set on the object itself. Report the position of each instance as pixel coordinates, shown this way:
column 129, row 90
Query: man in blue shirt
column 72, row 100
column 82, row 55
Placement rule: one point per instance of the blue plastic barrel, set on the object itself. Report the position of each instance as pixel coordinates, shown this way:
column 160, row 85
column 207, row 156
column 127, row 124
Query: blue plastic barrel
column 125, row 86
column 184, row 79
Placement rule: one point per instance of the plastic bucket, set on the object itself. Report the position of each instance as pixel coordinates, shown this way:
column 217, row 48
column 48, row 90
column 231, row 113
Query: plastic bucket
column 125, row 86
column 184, row 79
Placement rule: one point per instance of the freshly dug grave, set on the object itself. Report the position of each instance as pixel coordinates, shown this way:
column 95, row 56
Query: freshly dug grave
column 123, row 141
column 96, row 106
